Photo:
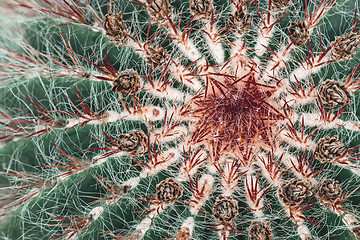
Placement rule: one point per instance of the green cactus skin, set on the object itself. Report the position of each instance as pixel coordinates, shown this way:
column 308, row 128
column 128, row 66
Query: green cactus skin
column 196, row 119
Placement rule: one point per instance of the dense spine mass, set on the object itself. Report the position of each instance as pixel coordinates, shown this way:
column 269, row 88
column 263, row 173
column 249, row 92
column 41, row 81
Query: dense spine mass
column 196, row 119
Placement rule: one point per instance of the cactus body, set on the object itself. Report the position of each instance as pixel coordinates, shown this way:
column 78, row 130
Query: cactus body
column 196, row 119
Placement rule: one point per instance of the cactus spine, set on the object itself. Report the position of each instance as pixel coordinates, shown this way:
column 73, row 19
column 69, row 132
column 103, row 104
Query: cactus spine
column 196, row 119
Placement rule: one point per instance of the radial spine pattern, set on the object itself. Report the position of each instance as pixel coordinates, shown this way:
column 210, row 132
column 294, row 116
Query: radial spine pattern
column 169, row 119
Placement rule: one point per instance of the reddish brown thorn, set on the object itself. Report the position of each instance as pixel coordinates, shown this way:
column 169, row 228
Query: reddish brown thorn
column 73, row 225
column 116, row 192
column 108, row 69
column 302, row 165
column 191, row 160
column 199, row 192
column 254, row 192
column 27, row 128
column 13, row 200
column 271, row 166
column 111, row 149
column 86, row 113
column 230, row 173
column 303, row 94
column 69, row 10
column 299, row 137
column 326, row 115
column 351, row 82
column 31, row 179
column 73, row 166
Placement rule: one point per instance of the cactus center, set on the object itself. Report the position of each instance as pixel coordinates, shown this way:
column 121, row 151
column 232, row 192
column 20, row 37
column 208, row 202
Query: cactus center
column 234, row 111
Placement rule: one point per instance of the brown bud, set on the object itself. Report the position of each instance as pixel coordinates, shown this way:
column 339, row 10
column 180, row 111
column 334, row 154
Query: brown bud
column 293, row 192
column 239, row 22
column 183, row 234
column 298, row 33
column 135, row 143
column 345, row 46
column 225, row 209
column 114, row 28
column 356, row 231
column 158, row 10
column 328, row 149
column 127, row 82
column 201, row 9
column 157, row 57
column 168, row 191
column 60, row 123
column 125, row 189
column 260, row 231
column 332, row 92
column 279, row 5
column 328, row 191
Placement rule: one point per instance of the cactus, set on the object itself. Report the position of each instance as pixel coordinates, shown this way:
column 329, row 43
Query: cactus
column 196, row 119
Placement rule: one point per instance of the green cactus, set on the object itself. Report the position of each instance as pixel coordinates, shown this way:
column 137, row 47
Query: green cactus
column 196, row 119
